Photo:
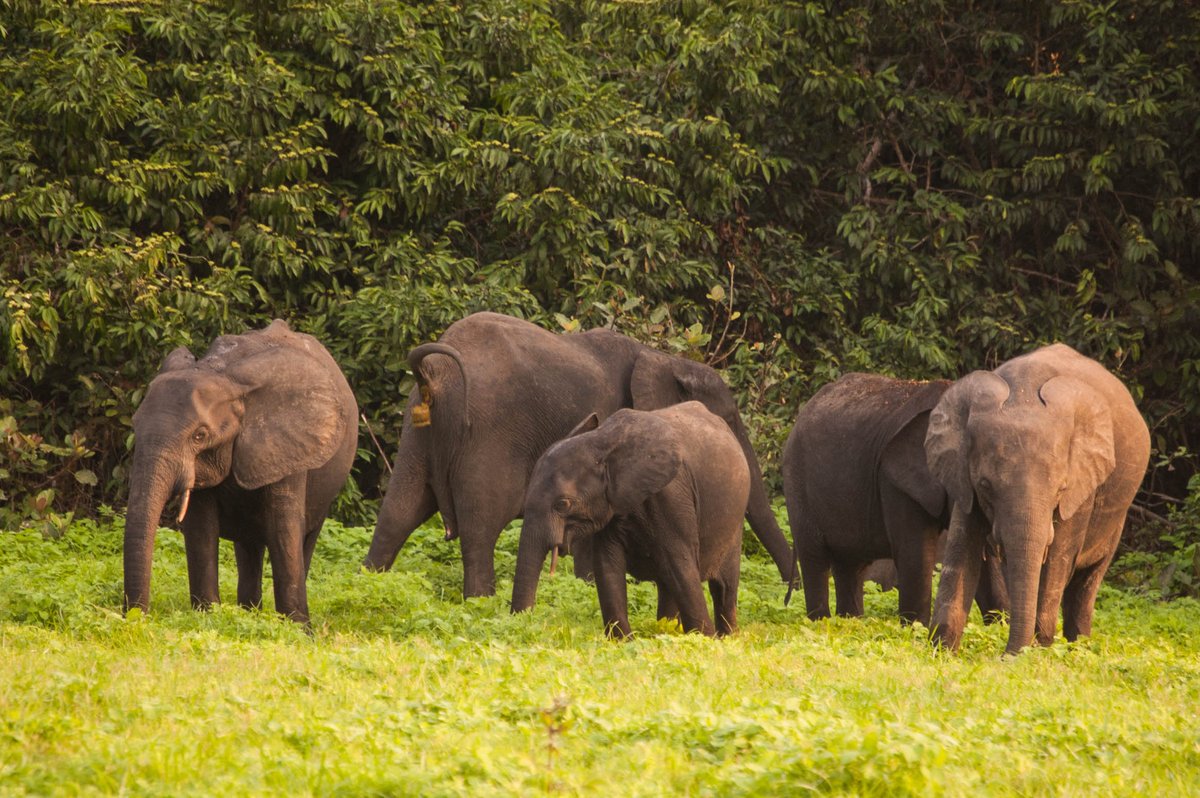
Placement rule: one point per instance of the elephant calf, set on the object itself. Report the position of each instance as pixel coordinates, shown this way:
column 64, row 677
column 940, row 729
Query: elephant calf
column 858, row 490
column 494, row 392
column 1041, row 459
column 256, row 438
column 662, row 494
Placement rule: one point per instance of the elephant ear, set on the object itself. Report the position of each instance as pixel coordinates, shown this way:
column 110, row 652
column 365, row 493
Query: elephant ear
column 660, row 380
column 903, row 462
column 293, row 418
column 1093, row 454
column 643, row 457
column 587, row 425
column 946, row 439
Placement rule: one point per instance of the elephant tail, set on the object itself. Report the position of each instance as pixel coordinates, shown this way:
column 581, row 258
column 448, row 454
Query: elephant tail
column 794, row 578
column 422, row 411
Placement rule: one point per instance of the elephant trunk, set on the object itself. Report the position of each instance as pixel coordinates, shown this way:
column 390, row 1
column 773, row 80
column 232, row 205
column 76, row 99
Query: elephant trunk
column 153, row 483
column 1024, row 555
column 762, row 517
column 537, row 539
column 408, row 503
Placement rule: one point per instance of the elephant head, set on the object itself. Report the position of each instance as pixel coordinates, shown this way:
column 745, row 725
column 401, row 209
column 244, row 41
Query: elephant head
column 257, row 407
column 1026, row 459
column 582, row 482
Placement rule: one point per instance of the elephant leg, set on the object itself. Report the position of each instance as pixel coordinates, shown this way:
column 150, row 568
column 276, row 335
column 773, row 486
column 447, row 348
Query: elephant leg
column 676, row 533
column 584, row 557
column 482, row 508
column 1057, row 572
column 408, row 502
column 992, row 593
column 478, row 548
column 914, row 568
column 284, row 519
column 1079, row 598
column 848, row 585
column 1055, row 575
column 310, row 544
column 912, row 534
column 668, row 607
column 610, row 586
column 201, row 538
column 961, row 562
column 724, row 589
column 250, row 573
column 689, row 592
column 814, row 570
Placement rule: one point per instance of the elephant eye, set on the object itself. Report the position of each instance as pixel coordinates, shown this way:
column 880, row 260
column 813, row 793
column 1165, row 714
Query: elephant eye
column 562, row 505
column 200, row 435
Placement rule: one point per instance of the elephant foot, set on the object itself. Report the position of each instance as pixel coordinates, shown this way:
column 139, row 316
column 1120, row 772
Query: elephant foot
column 946, row 637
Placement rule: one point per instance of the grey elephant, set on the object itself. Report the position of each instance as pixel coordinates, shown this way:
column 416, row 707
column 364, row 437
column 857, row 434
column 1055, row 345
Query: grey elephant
column 1041, row 459
column 256, row 438
column 661, row 494
column 494, row 392
column 858, row 490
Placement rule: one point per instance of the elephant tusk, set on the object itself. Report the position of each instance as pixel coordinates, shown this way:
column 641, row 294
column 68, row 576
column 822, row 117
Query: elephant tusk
column 183, row 508
column 553, row 559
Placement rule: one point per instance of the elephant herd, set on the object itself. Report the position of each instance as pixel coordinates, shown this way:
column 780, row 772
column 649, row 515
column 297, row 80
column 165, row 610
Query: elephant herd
column 637, row 462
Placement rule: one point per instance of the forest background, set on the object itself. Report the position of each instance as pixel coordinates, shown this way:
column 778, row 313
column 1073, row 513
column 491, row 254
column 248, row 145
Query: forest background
column 788, row 191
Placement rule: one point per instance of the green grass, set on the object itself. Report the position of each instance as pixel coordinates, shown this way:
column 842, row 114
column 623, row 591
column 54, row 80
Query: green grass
column 405, row 689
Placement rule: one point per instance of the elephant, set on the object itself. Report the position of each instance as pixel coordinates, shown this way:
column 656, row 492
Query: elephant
column 1041, row 460
column 257, row 438
column 494, row 392
column 883, row 573
column 662, row 494
column 858, row 491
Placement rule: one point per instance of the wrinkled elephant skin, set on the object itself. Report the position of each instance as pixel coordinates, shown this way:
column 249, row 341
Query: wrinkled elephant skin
column 256, row 439
column 1041, row 460
column 662, row 495
column 494, row 392
column 858, row 490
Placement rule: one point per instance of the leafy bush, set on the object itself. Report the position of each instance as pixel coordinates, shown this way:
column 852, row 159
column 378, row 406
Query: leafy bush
column 35, row 471
column 1177, row 563
column 787, row 190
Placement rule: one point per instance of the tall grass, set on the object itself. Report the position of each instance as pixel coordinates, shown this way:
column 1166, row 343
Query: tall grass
column 405, row 689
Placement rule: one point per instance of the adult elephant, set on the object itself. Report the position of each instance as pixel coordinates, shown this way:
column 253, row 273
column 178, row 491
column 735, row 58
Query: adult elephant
column 494, row 392
column 1042, row 458
column 858, row 490
column 256, row 438
column 661, row 493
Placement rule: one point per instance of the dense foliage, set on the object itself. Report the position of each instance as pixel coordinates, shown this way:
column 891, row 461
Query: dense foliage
column 789, row 190
column 404, row 689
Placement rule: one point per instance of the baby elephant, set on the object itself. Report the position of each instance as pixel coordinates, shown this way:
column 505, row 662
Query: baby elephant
column 663, row 492
column 1041, row 459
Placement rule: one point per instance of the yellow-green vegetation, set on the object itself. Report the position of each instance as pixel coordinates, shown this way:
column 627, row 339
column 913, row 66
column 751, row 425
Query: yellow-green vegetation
column 405, row 689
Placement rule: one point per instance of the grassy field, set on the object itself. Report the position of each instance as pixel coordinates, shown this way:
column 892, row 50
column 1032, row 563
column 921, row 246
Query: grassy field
column 405, row 689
